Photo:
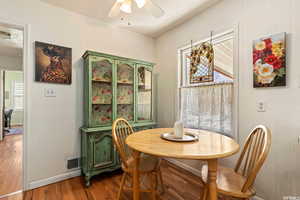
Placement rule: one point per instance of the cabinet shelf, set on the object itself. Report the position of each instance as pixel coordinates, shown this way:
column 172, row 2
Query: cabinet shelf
column 101, row 81
column 145, row 90
column 125, row 83
column 101, row 104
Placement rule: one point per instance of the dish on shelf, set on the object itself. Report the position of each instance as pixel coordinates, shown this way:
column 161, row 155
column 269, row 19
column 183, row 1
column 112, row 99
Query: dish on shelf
column 125, row 82
column 102, row 80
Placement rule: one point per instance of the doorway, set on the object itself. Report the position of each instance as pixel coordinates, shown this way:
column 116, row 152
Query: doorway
column 11, row 110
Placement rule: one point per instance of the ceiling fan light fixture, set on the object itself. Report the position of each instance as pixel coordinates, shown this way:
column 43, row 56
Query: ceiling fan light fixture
column 140, row 3
column 5, row 35
column 126, row 6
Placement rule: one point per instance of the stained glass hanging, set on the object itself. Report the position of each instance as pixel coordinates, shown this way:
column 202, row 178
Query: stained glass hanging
column 202, row 63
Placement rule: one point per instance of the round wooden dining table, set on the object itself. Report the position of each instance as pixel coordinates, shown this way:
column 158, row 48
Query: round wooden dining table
column 209, row 147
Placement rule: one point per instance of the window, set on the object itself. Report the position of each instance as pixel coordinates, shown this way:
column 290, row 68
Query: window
column 18, row 94
column 209, row 105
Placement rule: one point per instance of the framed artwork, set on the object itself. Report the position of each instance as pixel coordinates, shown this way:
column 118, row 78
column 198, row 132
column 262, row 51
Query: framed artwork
column 202, row 64
column 53, row 64
column 269, row 61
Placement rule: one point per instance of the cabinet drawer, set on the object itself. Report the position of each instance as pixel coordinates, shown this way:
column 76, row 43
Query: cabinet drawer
column 102, row 150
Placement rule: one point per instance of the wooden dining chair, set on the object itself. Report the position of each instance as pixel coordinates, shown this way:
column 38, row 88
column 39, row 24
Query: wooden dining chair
column 149, row 165
column 238, row 182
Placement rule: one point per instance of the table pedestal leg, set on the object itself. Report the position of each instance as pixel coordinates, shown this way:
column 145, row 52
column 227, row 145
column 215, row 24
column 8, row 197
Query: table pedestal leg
column 136, row 176
column 212, row 178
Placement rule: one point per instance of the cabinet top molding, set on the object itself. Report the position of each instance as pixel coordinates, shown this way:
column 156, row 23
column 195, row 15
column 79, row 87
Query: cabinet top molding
column 94, row 53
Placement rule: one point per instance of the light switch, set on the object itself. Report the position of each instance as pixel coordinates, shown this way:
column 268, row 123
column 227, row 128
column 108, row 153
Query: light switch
column 261, row 107
column 50, row 92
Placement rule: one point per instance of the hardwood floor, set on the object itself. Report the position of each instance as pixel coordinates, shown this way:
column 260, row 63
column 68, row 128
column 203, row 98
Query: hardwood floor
column 11, row 164
column 179, row 185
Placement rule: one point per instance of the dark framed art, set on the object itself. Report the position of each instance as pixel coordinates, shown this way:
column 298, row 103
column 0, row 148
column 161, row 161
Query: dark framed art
column 53, row 63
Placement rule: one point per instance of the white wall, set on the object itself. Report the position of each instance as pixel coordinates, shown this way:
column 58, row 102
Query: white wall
column 280, row 175
column 10, row 63
column 54, row 123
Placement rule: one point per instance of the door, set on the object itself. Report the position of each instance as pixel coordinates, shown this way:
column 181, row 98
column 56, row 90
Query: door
column 144, row 93
column 1, row 104
column 101, row 89
column 103, row 151
column 125, row 90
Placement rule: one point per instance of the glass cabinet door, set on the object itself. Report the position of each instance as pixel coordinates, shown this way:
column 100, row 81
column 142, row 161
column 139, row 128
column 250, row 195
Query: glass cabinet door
column 144, row 96
column 125, row 90
column 101, row 91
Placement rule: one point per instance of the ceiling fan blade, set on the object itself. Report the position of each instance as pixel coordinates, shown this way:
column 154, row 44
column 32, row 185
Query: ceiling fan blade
column 115, row 10
column 154, row 9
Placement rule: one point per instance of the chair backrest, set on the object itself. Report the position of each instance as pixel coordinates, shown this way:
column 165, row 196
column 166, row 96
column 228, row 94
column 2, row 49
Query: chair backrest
column 254, row 154
column 120, row 130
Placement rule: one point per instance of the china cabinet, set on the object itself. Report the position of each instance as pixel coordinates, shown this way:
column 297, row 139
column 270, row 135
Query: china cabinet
column 113, row 87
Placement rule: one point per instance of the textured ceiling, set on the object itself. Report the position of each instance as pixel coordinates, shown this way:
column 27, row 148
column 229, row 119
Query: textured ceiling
column 176, row 12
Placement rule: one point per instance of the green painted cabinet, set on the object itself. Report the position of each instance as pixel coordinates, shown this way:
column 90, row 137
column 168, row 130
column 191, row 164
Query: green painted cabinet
column 113, row 87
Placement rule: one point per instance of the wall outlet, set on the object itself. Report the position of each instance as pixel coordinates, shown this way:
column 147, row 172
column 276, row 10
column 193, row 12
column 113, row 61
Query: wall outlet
column 50, row 92
column 261, row 106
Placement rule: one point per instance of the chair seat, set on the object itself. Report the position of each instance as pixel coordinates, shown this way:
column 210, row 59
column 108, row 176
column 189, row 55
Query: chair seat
column 229, row 182
column 148, row 163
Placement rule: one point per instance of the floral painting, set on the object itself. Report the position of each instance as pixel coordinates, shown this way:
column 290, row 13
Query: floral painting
column 53, row 63
column 269, row 61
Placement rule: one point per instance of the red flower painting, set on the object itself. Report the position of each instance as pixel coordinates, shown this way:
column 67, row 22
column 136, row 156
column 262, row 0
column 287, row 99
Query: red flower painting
column 269, row 61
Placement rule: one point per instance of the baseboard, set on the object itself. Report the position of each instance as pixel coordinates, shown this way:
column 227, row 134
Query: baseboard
column 195, row 171
column 184, row 166
column 54, row 179
column 10, row 194
column 17, row 124
column 256, row 198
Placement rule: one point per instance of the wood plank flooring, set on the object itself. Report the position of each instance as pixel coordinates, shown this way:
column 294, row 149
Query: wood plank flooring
column 179, row 185
column 10, row 164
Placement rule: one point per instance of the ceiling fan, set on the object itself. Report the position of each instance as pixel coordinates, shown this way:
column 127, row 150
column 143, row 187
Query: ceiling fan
column 126, row 6
column 5, row 35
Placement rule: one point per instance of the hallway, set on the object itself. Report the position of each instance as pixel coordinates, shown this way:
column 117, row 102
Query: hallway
column 11, row 164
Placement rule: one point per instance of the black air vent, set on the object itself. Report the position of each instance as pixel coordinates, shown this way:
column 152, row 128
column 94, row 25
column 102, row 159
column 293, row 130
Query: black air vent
column 73, row 163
